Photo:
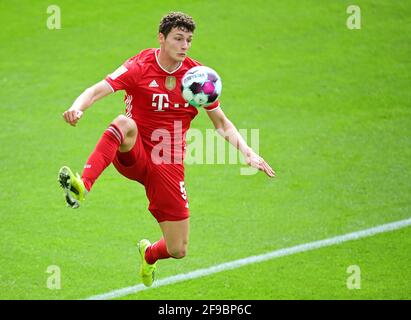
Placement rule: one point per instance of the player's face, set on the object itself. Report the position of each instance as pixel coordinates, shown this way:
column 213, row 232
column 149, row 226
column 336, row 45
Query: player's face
column 176, row 44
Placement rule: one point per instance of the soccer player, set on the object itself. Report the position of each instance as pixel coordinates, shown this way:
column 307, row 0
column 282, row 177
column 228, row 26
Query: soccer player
column 152, row 81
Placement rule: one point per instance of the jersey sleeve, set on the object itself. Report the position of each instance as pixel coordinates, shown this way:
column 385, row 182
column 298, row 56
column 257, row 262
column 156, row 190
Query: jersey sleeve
column 124, row 77
column 214, row 106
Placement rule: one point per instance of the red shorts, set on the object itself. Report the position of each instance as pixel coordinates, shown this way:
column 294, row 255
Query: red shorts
column 164, row 183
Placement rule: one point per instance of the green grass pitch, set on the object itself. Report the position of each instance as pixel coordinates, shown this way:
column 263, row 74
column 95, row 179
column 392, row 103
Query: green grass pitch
column 333, row 110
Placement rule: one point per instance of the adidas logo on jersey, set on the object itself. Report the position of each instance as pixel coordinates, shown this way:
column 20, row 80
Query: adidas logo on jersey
column 153, row 84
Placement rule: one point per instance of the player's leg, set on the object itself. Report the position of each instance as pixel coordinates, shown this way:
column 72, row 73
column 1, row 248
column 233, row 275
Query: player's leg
column 120, row 135
column 175, row 234
column 173, row 244
column 169, row 205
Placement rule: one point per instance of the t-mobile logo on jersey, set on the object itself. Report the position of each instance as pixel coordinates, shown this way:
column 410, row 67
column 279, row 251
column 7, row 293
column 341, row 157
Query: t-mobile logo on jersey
column 161, row 101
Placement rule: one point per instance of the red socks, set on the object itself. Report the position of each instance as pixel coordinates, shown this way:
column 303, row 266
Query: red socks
column 156, row 251
column 102, row 155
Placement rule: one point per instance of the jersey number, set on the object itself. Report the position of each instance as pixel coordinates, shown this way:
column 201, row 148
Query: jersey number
column 183, row 190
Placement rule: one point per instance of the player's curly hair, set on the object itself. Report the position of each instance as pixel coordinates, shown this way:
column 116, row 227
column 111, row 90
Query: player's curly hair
column 176, row 20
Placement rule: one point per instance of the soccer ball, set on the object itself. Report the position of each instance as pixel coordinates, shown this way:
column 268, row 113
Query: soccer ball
column 201, row 86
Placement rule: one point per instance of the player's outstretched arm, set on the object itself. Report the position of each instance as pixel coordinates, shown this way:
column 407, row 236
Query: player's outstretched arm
column 227, row 130
column 85, row 100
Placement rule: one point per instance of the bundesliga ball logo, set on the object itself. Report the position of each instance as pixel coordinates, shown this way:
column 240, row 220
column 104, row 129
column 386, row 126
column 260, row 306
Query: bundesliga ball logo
column 201, row 86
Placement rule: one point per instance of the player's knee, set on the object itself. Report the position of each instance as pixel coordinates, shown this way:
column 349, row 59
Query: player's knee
column 178, row 252
column 126, row 125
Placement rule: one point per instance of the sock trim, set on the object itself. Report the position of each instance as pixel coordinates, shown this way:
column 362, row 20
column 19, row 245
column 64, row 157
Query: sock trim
column 116, row 132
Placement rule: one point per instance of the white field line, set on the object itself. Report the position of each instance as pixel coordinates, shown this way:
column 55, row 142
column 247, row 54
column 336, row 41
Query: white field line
column 255, row 259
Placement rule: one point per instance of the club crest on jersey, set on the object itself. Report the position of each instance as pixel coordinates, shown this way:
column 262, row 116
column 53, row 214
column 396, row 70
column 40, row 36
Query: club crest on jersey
column 170, row 82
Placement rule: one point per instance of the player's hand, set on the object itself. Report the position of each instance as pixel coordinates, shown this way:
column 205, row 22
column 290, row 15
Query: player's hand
column 72, row 116
column 255, row 161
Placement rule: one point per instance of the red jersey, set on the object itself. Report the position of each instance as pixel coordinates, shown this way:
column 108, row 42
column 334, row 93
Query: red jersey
column 153, row 99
